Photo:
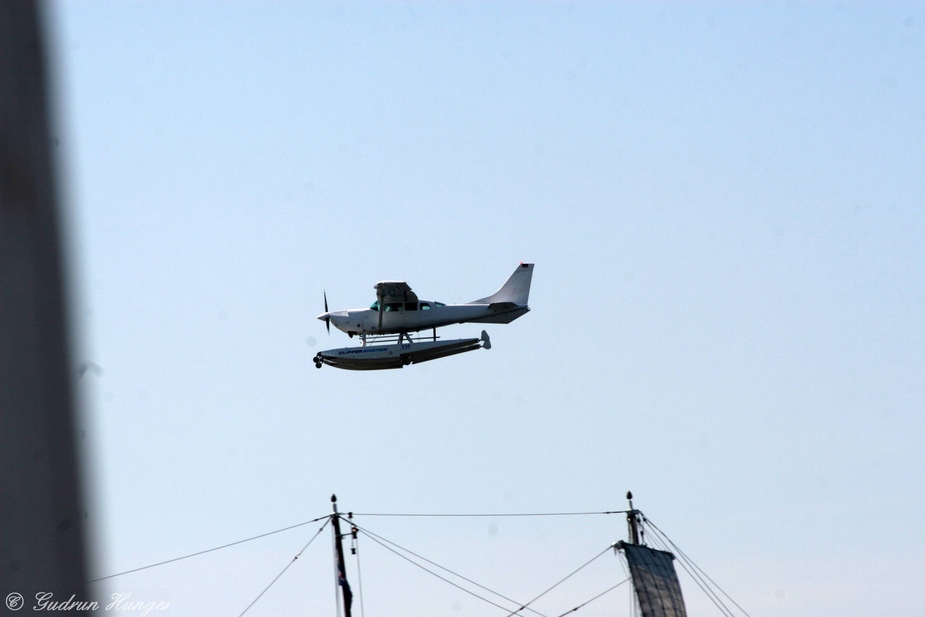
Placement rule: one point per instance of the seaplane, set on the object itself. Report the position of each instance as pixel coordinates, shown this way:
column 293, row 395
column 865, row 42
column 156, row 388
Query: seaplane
column 387, row 328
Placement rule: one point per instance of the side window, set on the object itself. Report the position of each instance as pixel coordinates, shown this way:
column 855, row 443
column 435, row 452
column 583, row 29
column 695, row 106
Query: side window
column 425, row 306
column 392, row 306
column 411, row 306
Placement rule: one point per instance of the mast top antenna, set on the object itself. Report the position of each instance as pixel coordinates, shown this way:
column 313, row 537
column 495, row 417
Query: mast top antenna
column 632, row 521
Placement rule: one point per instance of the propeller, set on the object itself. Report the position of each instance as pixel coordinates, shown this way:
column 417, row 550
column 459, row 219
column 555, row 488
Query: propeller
column 327, row 318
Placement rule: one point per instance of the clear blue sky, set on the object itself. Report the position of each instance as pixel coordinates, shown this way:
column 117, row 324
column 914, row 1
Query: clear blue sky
column 726, row 206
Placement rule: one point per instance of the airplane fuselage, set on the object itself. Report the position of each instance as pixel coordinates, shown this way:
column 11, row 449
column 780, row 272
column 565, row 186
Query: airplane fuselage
column 423, row 315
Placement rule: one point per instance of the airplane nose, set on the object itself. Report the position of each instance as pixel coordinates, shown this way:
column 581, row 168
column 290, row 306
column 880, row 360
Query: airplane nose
column 338, row 319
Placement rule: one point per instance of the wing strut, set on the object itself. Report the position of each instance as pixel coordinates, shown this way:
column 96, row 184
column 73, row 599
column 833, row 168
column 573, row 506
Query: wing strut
column 380, row 298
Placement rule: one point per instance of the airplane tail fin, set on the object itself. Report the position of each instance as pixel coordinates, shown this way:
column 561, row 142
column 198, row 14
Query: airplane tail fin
column 516, row 289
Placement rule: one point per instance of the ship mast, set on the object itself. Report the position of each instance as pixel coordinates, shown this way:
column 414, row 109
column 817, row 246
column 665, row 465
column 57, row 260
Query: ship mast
column 339, row 559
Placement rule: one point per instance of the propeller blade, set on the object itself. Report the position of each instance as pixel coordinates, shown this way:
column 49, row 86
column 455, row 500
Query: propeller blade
column 327, row 320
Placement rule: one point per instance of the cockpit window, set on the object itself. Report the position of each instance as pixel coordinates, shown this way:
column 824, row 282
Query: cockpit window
column 392, row 306
column 375, row 305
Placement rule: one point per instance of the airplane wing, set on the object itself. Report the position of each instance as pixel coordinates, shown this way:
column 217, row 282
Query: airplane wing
column 395, row 291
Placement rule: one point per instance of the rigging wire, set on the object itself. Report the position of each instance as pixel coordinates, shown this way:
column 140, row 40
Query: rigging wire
column 209, row 550
column 510, row 614
column 586, row 602
column 315, row 520
column 666, row 544
column 355, row 549
column 422, row 558
column 661, row 542
column 710, row 593
column 707, row 576
column 383, row 544
column 695, row 566
column 489, row 515
column 580, row 568
column 307, row 544
column 632, row 599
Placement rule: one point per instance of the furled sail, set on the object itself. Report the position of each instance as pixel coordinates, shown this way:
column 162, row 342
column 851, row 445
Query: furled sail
column 655, row 581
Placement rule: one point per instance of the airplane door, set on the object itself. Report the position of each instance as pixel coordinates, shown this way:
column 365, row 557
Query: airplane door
column 393, row 316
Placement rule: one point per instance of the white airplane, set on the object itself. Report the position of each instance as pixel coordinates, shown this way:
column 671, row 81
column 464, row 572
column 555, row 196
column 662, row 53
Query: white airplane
column 398, row 311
